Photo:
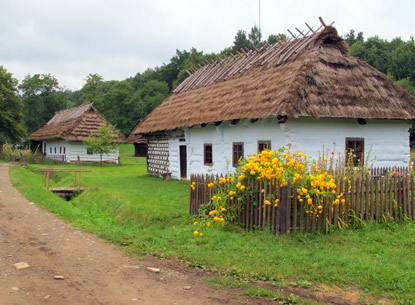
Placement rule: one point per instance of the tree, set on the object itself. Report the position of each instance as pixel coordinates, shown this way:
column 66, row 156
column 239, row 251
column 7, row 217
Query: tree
column 11, row 109
column 102, row 140
column 255, row 36
column 41, row 98
column 92, row 88
column 351, row 38
column 116, row 107
column 241, row 42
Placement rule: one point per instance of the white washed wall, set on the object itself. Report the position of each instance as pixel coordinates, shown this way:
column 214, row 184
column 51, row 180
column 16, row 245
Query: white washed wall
column 75, row 149
column 388, row 140
column 174, row 144
column 56, row 149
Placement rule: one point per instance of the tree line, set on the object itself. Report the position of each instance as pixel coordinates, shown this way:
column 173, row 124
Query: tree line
column 28, row 105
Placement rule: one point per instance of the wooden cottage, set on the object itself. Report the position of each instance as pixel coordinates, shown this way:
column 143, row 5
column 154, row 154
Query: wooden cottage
column 140, row 144
column 307, row 91
column 62, row 137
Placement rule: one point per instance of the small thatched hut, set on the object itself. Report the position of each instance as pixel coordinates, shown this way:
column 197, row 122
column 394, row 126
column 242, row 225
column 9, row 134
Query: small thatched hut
column 307, row 91
column 64, row 134
column 140, row 144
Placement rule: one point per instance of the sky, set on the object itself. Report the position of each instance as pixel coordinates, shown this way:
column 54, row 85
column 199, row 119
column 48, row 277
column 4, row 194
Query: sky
column 117, row 39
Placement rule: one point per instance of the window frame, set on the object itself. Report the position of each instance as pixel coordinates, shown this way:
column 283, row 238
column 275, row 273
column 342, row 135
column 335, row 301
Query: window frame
column 263, row 143
column 236, row 155
column 358, row 158
column 205, row 154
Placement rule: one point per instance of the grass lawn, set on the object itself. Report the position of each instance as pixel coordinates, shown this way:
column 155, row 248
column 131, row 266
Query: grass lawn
column 150, row 215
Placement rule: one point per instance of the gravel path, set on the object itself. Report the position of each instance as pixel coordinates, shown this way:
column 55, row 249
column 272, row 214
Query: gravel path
column 67, row 266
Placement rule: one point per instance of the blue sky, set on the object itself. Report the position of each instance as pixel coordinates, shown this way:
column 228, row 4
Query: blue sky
column 119, row 38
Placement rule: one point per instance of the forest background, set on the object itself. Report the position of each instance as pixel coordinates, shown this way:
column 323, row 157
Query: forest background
column 28, row 105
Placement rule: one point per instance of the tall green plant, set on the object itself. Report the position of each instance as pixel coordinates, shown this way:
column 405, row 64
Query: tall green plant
column 102, row 140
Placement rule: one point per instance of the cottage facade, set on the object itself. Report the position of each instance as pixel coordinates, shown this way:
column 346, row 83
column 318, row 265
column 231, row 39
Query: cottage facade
column 62, row 137
column 308, row 92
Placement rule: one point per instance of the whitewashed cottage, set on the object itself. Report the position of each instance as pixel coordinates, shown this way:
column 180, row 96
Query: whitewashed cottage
column 63, row 135
column 307, row 91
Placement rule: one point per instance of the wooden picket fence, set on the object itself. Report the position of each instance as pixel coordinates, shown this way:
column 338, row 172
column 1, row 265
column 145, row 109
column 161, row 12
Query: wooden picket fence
column 372, row 199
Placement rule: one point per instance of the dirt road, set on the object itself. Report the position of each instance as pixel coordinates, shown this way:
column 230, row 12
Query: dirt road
column 93, row 271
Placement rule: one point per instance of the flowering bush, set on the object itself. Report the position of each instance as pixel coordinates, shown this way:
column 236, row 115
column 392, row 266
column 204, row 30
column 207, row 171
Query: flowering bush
column 273, row 169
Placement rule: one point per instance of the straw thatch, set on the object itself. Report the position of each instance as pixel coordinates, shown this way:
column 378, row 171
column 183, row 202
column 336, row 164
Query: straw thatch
column 74, row 124
column 308, row 77
column 136, row 138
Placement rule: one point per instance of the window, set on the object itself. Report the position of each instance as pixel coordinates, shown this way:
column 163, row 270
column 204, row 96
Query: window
column 44, row 148
column 89, row 151
column 50, row 150
column 237, row 153
column 64, row 150
column 356, row 147
column 60, row 150
column 208, row 156
column 264, row 145
column 55, row 150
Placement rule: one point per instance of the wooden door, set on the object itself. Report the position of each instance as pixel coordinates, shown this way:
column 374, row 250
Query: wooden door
column 183, row 162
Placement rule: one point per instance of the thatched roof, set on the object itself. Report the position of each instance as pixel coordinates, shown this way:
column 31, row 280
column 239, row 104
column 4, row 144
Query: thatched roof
column 136, row 138
column 311, row 76
column 73, row 124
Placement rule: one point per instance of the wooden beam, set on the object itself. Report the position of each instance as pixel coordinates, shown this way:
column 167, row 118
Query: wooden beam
column 291, row 34
column 322, row 22
column 310, row 28
column 300, row 32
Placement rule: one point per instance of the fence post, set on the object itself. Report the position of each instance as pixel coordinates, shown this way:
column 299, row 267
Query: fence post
column 119, row 160
column 283, row 210
column 79, row 161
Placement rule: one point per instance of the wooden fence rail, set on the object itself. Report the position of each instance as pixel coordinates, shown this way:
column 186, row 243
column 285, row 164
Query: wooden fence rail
column 371, row 199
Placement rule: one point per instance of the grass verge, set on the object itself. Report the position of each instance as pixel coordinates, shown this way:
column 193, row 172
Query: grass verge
column 127, row 207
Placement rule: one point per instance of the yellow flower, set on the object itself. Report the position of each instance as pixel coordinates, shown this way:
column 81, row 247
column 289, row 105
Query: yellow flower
column 343, row 200
column 310, row 201
column 221, row 219
column 325, row 159
column 242, row 187
column 201, row 234
column 174, row 227
column 195, row 223
column 208, row 224
column 223, row 209
column 262, row 191
column 267, row 202
column 195, row 233
column 320, row 207
column 231, row 198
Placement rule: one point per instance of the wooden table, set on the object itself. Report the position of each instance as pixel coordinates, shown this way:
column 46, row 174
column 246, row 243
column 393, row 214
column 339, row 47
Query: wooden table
column 77, row 186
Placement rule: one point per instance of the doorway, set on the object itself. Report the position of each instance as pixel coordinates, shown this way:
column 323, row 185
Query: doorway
column 183, row 162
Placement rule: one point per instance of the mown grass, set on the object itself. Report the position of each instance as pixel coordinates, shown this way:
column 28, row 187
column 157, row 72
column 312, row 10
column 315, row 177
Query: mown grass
column 126, row 206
